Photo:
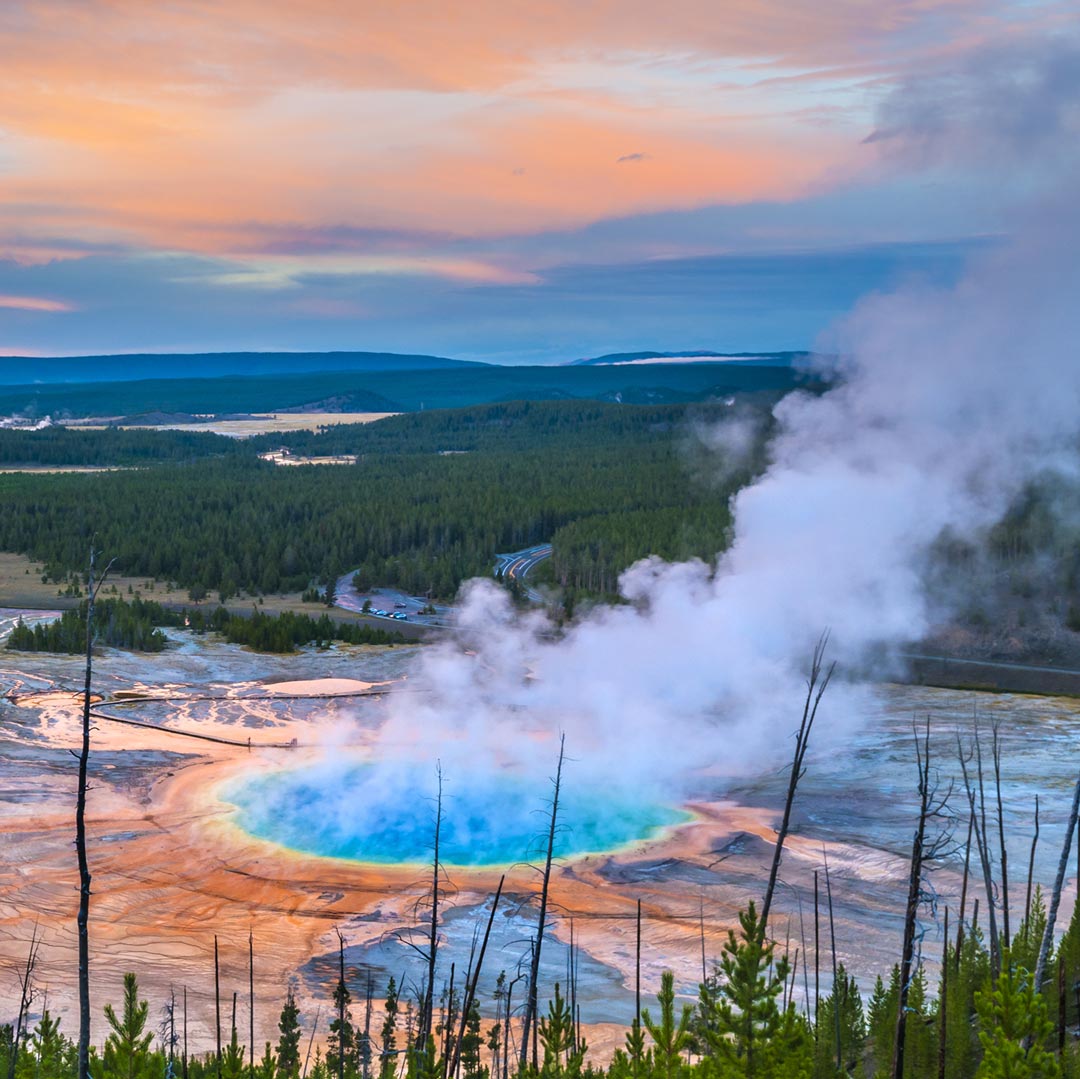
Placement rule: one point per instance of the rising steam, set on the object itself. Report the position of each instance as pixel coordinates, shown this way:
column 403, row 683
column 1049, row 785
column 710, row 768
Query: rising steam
column 946, row 403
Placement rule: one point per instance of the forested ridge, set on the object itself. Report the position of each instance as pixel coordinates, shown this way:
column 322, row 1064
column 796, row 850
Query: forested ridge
column 406, row 515
column 397, row 391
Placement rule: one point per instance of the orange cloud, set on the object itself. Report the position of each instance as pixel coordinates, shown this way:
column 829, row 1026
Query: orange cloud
column 200, row 125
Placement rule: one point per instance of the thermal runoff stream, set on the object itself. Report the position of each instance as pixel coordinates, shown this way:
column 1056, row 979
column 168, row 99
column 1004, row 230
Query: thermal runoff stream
column 503, row 821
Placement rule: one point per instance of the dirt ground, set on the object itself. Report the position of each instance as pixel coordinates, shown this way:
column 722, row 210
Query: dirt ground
column 263, row 424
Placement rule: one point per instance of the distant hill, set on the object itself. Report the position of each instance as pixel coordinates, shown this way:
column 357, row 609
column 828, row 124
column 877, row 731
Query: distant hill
column 767, row 359
column 400, row 390
column 145, row 365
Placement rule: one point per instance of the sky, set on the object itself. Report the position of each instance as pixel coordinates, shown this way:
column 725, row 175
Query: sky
column 509, row 182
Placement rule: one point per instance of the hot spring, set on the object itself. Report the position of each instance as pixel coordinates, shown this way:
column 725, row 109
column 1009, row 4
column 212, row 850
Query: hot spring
column 363, row 813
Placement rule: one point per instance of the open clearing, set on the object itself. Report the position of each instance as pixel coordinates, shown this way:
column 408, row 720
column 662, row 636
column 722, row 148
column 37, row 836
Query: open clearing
column 255, row 425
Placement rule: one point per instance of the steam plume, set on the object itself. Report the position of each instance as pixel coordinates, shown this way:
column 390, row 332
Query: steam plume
column 948, row 402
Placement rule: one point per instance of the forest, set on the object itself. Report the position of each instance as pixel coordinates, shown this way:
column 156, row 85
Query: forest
column 133, row 625
column 409, row 514
column 110, row 447
column 118, row 623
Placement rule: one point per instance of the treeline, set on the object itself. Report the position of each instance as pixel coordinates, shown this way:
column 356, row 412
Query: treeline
column 118, row 623
column 513, row 425
column 746, row 1023
column 588, row 555
column 132, row 624
column 59, row 446
column 283, row 632
column 419, row 522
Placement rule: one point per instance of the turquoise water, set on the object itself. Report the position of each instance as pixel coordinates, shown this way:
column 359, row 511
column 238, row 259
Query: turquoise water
column 358, row 812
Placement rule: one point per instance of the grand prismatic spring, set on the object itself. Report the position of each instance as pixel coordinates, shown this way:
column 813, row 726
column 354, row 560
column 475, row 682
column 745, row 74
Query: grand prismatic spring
column 341, row 812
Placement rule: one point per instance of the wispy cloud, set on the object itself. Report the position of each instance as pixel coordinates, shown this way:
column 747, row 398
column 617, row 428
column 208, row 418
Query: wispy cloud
column 631, row 157
column 1008, row 103
column 34, row 303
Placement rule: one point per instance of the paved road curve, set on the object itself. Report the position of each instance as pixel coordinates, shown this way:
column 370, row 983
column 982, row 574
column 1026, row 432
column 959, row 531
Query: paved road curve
column 518, row 565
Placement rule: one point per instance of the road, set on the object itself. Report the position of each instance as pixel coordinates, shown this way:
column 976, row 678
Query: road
column 953, row 671
column 518, row 565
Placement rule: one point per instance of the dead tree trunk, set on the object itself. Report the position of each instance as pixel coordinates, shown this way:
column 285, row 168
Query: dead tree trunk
column 217, row 1007
column 835, row 969
column 963, row 893
column 977, row 805
column 996, row 751
column 433, row 942
column 534, row 973
column 923, row 850
column 369, row 993
column 341, row 1004
column 943, row 999
column 83, row 921
column 26, row 998
column 251, row 1001
column 701, row 924
column 1055, row 895
column 1031, row 873
column 816, row 684
column 311, row 1040
column 471, row 983
column 817, row 953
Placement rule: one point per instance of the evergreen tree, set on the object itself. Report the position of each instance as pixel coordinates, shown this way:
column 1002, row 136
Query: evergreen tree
column 388, row 1067
column 881, row 1024
column 852, row 1026
column 671, row 1036
column 920, row 1041
column 966, row 976
column 1024, row 946
column 562, row 1058
column 267, row 1068
column 341, row 1049
column 50, row 1048
column 471, row 1044
column 747, row 1032
column 232, row 1061
column 127, row 1048
column 1014, row 1027
column 288, row 1047
column 7, row 1037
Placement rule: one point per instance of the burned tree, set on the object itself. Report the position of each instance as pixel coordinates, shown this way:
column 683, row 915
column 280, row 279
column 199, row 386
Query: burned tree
column 92, row 588
column 1055, row 895
column 433, row 942
column 925, row 849
column 26, row 998
column 816, row 684
column 469, row 1001
column 534, row 971
column 976, row 797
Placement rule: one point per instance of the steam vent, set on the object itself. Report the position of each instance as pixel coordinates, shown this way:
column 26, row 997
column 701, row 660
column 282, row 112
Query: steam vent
column 363, row 814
